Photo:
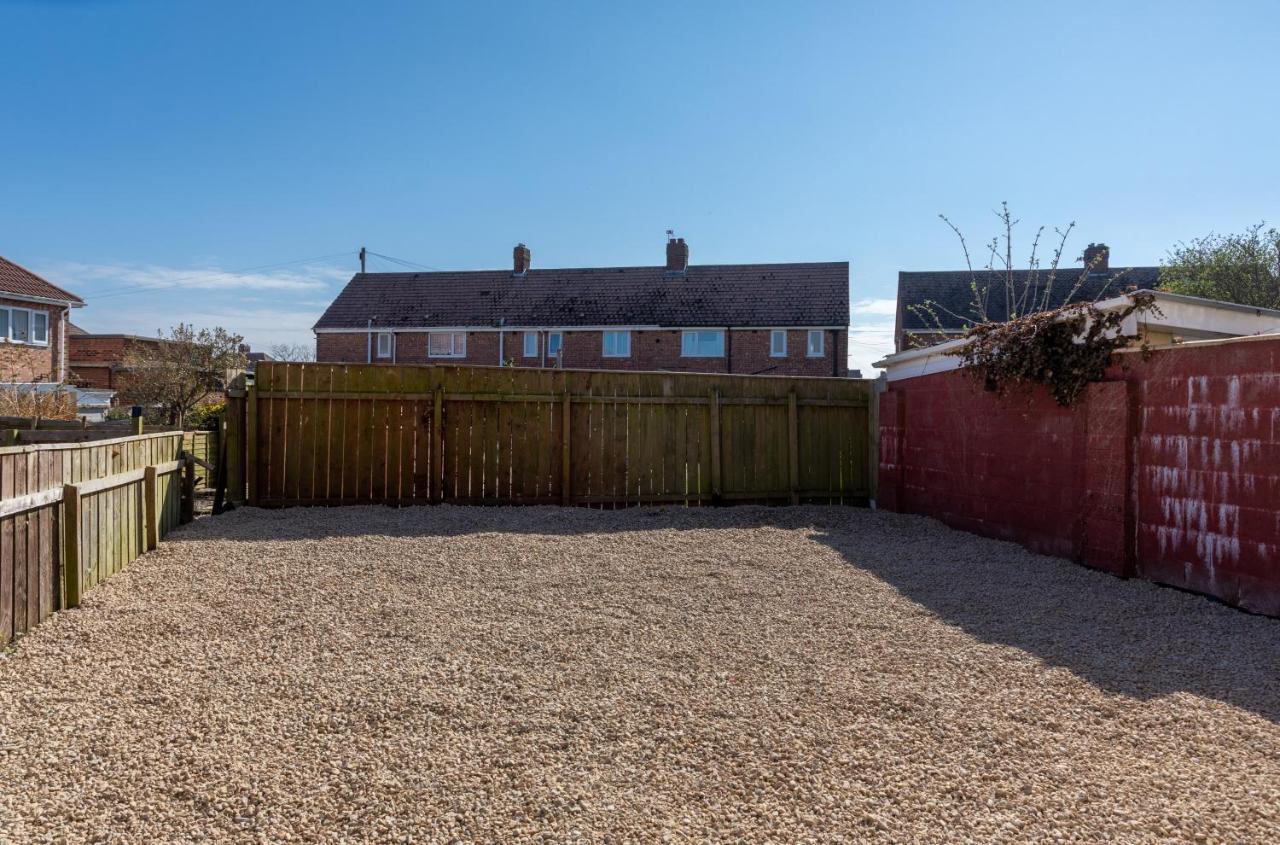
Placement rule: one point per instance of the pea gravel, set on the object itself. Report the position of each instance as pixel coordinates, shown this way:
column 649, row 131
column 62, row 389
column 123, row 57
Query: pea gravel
column 563, row 675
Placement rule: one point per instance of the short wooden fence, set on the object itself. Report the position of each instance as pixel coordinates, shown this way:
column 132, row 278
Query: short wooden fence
column 341, row 434
column 204, row 446
column 73, row 514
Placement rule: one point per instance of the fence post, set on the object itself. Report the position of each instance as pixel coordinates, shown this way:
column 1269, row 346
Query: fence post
column 151, row 531
column 71, row 571
column 188, row 489
column 713, row 410
column 436, row 486
column 220, row 469
column 566, row 464
column 137, row 425
column 251, row 443
column 793, row 449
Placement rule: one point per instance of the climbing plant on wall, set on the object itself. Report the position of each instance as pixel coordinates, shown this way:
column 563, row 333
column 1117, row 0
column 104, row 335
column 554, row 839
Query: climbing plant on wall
column 1063, row 349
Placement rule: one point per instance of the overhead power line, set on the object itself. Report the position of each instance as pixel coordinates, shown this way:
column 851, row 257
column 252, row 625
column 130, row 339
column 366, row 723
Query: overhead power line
column 412, row 265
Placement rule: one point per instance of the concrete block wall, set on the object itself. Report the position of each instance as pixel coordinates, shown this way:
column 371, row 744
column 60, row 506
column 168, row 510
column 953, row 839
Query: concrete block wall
column 1168, row 471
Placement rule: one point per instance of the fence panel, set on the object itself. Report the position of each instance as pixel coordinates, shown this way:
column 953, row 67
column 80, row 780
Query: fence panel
column 204, row 445
column 358, row 433
column 109, row 517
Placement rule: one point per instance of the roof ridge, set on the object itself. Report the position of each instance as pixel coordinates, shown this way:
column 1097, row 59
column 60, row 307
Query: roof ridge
column 655, row 267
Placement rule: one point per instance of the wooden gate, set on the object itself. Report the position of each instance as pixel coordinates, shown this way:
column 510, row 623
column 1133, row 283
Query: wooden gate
column 347, row 434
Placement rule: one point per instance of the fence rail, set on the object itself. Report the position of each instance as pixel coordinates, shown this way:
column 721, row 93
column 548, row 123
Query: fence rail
column 72, row 514
column 340, row 434
column 202, row 445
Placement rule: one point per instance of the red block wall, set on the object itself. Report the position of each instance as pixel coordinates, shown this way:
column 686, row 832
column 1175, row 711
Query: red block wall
column 1169, row 471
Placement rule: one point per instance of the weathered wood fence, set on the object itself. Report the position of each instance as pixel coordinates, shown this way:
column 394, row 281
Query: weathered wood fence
column 341, row 434
column 72, row 514
column 202, row 445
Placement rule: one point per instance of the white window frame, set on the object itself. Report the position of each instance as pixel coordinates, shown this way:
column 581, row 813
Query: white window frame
column 621, row 344
column 694, row 349
column 821, row 349
column 776, row 350
column 390, row 344
column 30, row 314
column 531, row 344
column 555, row 344
column 44, row 315
column 457, row 345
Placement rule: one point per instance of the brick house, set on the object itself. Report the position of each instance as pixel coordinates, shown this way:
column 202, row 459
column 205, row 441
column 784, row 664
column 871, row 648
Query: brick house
column 33, row 326
column 948, row 294
column 97, row 360
column 782, row 319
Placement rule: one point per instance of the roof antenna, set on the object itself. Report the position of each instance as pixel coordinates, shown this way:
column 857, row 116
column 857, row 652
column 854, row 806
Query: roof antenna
column 362, row 254
column 671, row 233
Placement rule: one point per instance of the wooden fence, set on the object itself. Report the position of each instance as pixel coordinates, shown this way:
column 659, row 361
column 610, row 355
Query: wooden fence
column 202, row 445
column 342, row 434
column 72, row 514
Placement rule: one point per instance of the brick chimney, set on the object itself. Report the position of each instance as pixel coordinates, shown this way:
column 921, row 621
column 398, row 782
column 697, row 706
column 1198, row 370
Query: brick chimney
column 521, row 257
column 677, row 256
column 1097, row 258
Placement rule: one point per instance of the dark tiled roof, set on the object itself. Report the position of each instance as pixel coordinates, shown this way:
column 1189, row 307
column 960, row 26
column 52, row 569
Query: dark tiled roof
column 73, row 329
column 952, row 291
column 22, row 282
column 707, row 295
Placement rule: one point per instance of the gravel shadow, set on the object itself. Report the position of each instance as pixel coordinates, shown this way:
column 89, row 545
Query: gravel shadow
column 1127, row 637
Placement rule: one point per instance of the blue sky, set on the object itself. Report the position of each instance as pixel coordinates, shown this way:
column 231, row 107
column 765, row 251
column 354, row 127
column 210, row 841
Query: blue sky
column 152, row 151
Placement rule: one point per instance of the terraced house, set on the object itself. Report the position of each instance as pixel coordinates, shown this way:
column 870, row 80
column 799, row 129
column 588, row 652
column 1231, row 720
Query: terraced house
column 783, row 319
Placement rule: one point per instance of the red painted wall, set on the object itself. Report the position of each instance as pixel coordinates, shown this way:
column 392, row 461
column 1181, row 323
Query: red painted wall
column 1168, row 471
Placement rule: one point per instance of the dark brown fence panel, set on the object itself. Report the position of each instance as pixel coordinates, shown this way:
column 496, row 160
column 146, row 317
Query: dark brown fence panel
column 337, row 434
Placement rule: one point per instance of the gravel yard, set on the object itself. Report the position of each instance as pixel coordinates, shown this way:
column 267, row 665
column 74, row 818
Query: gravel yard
column 557, row 675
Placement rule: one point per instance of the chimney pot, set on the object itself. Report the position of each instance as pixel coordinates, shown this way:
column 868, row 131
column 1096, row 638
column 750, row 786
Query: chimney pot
column 521, row 257
column 677, row 256
column 1097, row 258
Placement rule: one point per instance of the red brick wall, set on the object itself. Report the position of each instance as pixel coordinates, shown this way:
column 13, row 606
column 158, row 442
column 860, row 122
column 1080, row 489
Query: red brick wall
column 95, row 349
column 1171, row 471
column 26, row 363
column 98, row 360
column 92, row 376
column 748, row 352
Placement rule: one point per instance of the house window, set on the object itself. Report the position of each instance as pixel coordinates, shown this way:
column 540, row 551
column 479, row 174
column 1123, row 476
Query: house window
column 617, row 344
column 554, row 341
column 447, row 345
column 531, row 344
column 815, row 348
column 778, row 343
column 384, row 344
column 20, row 325
column 702, row 344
